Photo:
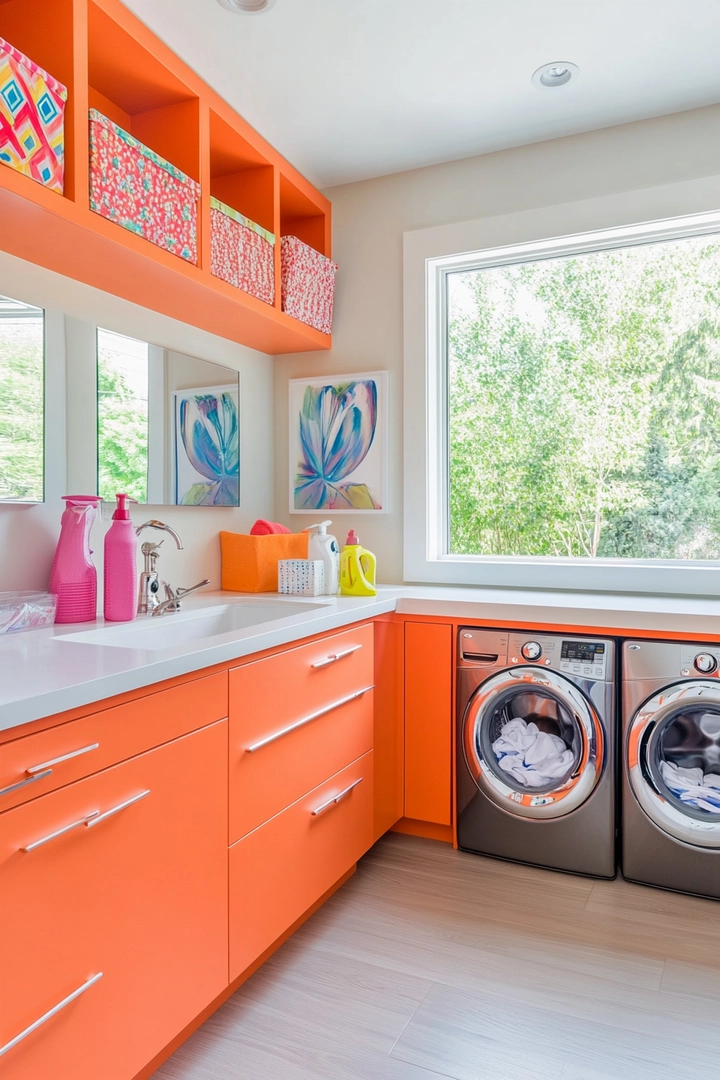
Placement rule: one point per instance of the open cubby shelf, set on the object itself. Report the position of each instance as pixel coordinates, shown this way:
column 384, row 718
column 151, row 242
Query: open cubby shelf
column 111, row 62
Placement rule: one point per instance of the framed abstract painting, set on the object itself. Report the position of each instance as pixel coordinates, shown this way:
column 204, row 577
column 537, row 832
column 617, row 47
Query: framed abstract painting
column 338, row 444
column 206, row 446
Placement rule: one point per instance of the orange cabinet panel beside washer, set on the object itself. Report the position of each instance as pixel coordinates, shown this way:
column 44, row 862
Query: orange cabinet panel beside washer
column 114, row 886
column 282, row 868
column 428, row 722
column 296, row 718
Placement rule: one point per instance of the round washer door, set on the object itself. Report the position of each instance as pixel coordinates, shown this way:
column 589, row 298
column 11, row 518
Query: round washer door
column 673, row 761
column 557, row 707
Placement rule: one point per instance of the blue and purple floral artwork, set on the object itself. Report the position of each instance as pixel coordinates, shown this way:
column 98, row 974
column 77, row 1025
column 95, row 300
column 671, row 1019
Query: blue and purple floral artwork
column 207, row 447
column 338, row 444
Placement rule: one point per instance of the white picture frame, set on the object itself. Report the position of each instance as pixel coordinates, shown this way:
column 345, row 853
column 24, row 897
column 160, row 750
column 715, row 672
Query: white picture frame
column 321, row 411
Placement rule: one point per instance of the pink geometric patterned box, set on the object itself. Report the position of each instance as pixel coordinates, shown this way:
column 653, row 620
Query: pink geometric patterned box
column 32, row 119
column 134, row 187
column 242, row 253
column 308, row 283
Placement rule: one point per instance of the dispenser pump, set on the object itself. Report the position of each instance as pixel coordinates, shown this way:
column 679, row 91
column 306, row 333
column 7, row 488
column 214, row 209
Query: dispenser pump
column 323, row 546
column 122, row 511
column 321, row 528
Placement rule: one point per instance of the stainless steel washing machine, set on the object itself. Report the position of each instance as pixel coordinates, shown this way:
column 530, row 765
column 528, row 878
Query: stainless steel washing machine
column 564, row 686
column 671, row 738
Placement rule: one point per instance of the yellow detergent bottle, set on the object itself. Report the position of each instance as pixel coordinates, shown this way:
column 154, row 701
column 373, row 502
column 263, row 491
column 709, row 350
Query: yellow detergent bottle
column 357, row 569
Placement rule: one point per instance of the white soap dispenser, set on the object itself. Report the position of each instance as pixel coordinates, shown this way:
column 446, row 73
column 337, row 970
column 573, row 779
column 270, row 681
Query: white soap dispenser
column 322, row 545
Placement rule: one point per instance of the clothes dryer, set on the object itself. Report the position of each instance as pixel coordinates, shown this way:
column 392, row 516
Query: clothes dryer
column 671, row 765
column 542, row 790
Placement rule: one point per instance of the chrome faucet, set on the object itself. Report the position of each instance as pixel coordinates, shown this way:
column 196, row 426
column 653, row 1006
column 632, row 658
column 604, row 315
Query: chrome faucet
column 149, row 581
column 174, row 596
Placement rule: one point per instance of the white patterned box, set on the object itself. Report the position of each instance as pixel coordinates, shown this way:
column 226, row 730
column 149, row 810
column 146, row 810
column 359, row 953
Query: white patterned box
column 301, row 577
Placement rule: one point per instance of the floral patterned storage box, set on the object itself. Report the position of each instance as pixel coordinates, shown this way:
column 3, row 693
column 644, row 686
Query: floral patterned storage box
column 136, row 188
column 242, row 252
column 308, row 283
column 32, row 119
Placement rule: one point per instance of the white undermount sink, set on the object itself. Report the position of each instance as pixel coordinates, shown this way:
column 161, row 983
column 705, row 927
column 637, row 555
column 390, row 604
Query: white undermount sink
column 186, row 627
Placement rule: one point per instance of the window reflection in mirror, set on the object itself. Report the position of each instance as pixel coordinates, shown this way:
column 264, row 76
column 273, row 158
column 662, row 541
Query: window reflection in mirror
column 167, row 425
column 22, row 407
column 122, row 378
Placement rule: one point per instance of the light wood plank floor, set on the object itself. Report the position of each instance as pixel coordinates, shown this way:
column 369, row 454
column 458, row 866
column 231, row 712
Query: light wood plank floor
column 431, row 962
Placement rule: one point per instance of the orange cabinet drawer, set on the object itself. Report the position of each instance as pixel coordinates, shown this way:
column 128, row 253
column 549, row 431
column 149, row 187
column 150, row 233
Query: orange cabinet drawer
column 137, row 896
column 35, row 764
column 295, row 719
column 282, row 868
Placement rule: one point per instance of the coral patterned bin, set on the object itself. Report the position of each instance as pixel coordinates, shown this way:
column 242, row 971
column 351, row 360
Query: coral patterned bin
column 32, row 119
column 242, row 252
column 308, row 284
column 136, row 188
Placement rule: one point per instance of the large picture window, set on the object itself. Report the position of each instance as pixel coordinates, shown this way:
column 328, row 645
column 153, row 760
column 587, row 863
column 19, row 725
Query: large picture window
column 583, row 404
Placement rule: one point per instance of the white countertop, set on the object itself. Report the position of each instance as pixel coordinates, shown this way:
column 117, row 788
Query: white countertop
column 42, row 674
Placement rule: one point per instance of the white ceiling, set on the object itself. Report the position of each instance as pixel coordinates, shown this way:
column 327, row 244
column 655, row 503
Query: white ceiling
column 350, row 89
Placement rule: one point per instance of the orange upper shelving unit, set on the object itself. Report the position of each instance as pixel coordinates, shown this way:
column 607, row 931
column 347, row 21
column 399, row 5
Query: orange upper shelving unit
column 110, row 61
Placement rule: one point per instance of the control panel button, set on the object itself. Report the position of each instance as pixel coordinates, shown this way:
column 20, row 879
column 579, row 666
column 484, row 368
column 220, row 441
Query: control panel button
column 531, row 650
column 705, row 662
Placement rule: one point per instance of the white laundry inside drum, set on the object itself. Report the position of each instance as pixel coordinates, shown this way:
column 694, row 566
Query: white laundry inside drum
column 693, row 787
column 532, row 757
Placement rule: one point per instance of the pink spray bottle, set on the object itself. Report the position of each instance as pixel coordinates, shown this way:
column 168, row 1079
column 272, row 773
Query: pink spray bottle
column 120, row 579
column 73, row 577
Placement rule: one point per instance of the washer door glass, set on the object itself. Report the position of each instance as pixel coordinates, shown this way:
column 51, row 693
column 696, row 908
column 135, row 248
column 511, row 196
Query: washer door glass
column 673, row 761
column 533, row 742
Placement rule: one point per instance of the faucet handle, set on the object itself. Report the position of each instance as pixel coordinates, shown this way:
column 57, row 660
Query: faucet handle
column 170, row 593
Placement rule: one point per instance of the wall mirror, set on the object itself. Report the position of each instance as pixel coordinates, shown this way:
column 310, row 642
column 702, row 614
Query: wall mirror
column 22, row 402
column 167, row 425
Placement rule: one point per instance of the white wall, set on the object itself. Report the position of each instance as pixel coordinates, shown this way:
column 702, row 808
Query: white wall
column 369, row 220
column 28, row 534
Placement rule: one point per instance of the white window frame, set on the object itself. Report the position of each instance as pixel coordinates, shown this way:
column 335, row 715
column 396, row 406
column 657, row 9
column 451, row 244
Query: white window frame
column 429, row 256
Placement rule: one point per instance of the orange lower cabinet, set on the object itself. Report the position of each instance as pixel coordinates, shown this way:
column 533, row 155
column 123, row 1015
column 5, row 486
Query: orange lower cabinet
column 428, row 722
column 278, row 871
column 389, row 736
column 113, row 913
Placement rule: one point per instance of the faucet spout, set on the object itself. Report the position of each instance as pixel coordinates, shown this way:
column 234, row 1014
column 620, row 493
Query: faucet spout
column 155, row 524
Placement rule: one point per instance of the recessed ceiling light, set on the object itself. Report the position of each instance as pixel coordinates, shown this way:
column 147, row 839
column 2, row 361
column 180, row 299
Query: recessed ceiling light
column 247, row 7
column 558, row 74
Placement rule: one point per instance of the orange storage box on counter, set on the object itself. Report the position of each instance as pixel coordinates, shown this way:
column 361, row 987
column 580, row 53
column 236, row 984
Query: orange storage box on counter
column 250, row 563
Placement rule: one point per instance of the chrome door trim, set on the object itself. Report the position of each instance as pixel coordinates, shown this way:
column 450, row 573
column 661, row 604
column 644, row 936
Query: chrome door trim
column 643, row 731
column 577, row 788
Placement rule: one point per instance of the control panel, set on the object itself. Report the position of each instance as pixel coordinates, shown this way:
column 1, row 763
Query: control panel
column 587, row 658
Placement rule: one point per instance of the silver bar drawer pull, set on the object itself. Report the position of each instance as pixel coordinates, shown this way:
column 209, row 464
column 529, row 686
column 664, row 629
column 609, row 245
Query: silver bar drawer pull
column 336, row 798
column 50, row 1013
column 93, row 818
column 59, row 760
column 23, row 783
column 40, row 772
column 60, row 832
column 308, row 719
column 334, row 657
column 116, row 809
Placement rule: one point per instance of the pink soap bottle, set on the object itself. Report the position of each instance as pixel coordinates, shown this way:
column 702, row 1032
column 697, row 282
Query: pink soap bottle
column 120, row 597
column 73, row 578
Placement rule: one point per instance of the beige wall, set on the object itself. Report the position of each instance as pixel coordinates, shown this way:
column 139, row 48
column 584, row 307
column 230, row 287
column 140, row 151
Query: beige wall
column 371, row 217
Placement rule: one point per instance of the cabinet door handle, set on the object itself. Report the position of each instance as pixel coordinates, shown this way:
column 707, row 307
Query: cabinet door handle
column 334, row 657
column 96, row 819
column 23, row 783
column 50, row 1013
column 58, row 760
column 307, row 719
column 336, row 798
column 93, row 818
column 60, row 832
